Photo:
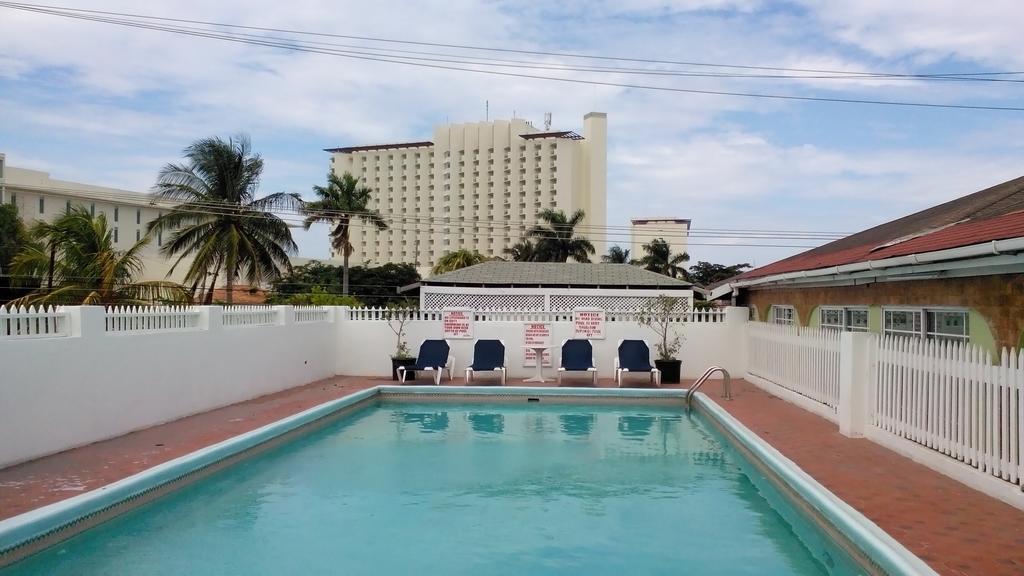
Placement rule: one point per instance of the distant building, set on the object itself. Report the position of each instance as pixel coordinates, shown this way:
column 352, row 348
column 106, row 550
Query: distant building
column 476, row 186
column 953, row 272
column 40, row 197
column 551, row 286
column 675, row 231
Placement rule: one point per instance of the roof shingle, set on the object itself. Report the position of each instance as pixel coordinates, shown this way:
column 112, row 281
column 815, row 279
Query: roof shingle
column 995, row 213
column 556, row 274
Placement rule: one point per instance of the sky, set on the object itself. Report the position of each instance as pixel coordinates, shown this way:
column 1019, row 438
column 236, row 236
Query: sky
column 109, row 105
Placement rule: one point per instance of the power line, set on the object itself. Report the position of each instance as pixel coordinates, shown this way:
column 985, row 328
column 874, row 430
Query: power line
column 49, row 8
column 407, row 62
column 421, row 222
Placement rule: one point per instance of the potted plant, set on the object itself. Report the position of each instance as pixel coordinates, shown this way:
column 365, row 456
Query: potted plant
column 397, row 318
column 664, row 315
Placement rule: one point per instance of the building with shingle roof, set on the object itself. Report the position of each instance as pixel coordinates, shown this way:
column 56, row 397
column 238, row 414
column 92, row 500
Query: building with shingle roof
column 952, row 272
column 554, row 286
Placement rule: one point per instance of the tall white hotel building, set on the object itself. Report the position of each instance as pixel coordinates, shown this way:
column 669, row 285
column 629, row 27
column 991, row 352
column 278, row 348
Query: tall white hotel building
column 476, row 186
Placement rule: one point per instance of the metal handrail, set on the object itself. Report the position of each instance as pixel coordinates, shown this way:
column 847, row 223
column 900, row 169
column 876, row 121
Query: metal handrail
column 726, row 384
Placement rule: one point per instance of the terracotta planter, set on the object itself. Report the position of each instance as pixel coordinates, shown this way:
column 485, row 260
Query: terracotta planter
column 669, row 370
column 396, row 362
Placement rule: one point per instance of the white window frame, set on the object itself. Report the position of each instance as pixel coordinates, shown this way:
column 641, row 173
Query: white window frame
column 844, row 318
column 925, row 330
column 787, row 319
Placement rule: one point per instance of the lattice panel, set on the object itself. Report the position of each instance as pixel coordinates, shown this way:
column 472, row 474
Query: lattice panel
column 560, row 302
column 435, row 301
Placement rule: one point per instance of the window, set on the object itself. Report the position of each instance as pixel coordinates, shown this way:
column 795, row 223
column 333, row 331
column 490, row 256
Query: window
column 936, row 323
column 115, row 235
column 783, row 315
column 115, row 216
column 92, row 209
column 14, row 199
column 42, row 205
column 138, row 216
column 946, row 325
column 138, row 235
column 67, row 206
column 845, row 319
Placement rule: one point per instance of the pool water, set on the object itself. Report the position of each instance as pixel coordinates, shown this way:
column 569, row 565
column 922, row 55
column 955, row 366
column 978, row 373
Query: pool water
column 469, row 489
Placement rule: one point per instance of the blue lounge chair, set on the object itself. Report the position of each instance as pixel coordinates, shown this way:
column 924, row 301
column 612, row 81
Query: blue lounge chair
column 577, row 356
column 635, row 356
column 433, row 357
column 488, row 356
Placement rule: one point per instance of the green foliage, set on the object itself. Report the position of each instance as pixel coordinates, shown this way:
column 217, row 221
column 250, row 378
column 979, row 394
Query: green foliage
column 458, row 259
column 522, row 251
column 664, row 315
column 616, row 255
column 706, row 273
column 372, row 286
column 242, row 238
column 76, row 254
column 658, row 258
column 337, row 204
column 319, row 296
column 13, row 239
column 555, row 240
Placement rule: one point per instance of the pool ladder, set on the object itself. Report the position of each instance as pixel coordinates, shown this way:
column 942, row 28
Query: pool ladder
column 726, row 384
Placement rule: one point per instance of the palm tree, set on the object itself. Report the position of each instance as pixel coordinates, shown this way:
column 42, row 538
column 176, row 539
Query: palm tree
column 218, row 220
column 458, row 259
column 616, row 255
column 557, row 241
column 87, row 269
column 659, row 258
column 522, row 251
column 338, row 203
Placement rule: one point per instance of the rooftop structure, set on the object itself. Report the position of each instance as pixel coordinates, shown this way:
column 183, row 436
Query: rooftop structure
column 675, row 231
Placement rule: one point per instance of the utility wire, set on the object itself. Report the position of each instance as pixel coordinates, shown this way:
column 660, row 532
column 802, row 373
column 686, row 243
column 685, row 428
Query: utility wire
column 407, row 62
column 49, row 8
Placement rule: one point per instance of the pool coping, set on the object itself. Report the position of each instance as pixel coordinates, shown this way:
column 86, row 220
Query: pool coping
column 55, row 522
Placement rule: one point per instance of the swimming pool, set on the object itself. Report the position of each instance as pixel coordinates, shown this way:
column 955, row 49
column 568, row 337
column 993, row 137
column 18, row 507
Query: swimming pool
column 439, row 484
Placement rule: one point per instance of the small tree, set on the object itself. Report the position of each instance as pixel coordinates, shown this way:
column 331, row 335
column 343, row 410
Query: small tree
column 398, row 315
column 662, row 315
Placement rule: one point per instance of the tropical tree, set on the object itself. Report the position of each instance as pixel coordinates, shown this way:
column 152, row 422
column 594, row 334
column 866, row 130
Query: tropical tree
column 13, row 239
column 87, row 269
column 706, row 273
column 522, row 251
column 458, row 259
column 338, row 203
column 616, row 255
column 218, row 221
column 556, row 239
column 658, row 258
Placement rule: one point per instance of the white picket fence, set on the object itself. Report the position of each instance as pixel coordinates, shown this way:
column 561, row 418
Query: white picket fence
column 135, row 319
column 241, row 316
column 504, row 315
column 951, row 398
column 312, row 314
column 32, row 322
column 803, row 360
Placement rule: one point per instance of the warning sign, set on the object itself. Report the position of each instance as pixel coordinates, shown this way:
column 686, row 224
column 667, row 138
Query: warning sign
column 536, row 334
column 588, row 323
column 457, row 323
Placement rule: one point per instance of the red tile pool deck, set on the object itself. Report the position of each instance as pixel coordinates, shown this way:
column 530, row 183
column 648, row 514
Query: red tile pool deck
column 955, row 529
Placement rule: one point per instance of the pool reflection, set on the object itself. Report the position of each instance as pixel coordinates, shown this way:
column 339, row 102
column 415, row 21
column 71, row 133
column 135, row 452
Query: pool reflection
column 577, row 424
column 635, row 427
column 428, row 422
column 487, row 423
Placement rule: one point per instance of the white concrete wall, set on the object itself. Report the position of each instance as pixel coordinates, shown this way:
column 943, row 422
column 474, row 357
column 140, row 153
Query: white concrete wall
column 58, row 393
column 365, row 346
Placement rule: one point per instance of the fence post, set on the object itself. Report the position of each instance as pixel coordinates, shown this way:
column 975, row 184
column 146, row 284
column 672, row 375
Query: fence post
column 86, row 321
column 211, row 318
column 285, row 315
column 854, row 382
